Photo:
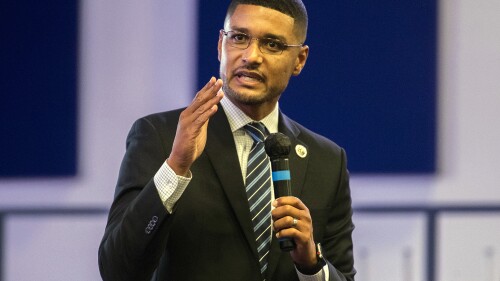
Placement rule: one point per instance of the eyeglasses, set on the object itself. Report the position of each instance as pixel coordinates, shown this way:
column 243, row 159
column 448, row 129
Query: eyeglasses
column 270, row 46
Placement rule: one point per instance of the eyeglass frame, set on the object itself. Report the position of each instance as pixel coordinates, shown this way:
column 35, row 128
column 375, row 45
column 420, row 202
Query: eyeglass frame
column 250, row 38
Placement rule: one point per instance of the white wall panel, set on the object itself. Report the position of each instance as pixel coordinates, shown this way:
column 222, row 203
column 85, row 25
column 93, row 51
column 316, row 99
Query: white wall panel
column 52, row 248
column 469, row 247
column 389, row 247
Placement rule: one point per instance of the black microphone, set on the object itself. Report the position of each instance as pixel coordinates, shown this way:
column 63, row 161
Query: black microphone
column 277, row 147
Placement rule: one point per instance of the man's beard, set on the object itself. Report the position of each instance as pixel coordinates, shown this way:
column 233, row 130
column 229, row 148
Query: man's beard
column 247, row 99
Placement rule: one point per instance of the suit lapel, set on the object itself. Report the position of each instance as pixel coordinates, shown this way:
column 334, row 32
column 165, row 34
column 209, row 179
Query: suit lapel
column 298, row 168
column 221, row 151
column 298, row 165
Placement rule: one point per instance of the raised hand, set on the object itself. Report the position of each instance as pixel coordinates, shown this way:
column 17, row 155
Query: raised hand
column 191, row 134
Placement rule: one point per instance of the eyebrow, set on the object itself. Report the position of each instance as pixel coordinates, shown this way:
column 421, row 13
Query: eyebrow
column 267, row 35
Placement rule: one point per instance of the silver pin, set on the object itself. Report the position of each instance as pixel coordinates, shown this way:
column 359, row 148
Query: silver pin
column 301, row 150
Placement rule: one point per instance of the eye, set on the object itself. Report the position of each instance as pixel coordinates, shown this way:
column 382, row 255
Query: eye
column 273, row 44
column 239, row 38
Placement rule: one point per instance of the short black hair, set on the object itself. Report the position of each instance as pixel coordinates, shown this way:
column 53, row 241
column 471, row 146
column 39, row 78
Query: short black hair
column 292, row 8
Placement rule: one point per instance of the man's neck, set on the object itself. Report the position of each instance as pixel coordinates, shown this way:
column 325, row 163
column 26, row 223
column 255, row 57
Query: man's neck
column 256, row 111
column 237, row 118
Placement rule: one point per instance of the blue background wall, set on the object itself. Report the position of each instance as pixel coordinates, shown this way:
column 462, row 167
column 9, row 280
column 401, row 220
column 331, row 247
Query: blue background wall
column 371, row 70
column 38, row 70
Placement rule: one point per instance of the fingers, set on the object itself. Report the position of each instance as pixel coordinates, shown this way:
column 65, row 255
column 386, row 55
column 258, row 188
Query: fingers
column 204, row 104
column 288, row 226
column 292, row 219
column 207, row 97
column 292, row 226
column 290, row 200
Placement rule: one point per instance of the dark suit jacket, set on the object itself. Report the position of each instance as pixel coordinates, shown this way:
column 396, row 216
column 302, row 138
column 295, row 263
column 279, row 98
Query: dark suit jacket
column 209, row 235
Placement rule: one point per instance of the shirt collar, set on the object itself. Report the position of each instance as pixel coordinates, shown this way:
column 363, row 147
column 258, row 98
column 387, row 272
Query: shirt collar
column 237, row 118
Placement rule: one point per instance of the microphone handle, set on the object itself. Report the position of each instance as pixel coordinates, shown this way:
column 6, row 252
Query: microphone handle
column 282, row 187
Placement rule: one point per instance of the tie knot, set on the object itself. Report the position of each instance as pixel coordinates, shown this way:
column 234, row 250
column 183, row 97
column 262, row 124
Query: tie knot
column 257, row 131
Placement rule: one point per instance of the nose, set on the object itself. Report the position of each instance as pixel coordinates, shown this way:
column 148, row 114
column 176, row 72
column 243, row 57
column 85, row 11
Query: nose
column 252, row 54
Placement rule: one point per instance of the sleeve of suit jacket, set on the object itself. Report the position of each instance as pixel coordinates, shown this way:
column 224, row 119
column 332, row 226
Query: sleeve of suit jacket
column 335, row 235
column 138, row 224
column 337, row 241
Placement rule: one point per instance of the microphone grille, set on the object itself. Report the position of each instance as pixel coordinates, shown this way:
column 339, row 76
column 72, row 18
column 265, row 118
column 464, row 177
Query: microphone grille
column 277, row 145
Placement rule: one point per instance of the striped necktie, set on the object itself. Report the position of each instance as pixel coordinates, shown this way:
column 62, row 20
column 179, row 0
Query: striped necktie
column 258, row 189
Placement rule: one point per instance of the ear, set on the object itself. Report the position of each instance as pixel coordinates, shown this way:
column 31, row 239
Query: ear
column 300, row 62
column 219, row 46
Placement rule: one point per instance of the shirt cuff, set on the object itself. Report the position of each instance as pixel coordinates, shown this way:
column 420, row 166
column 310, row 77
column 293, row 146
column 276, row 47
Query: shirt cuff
column 322, row 275
column 170, row 186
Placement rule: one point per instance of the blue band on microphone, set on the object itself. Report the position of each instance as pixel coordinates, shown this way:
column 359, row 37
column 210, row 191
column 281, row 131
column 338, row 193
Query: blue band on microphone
column 281, row 175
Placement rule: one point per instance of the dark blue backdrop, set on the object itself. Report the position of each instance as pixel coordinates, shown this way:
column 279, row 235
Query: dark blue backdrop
column 38, row 78
column 369, row 83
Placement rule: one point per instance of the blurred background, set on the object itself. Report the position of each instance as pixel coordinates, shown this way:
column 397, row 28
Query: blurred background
column 410, row 90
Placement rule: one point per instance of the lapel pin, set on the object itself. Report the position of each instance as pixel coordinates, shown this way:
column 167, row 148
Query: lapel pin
column 301, row 150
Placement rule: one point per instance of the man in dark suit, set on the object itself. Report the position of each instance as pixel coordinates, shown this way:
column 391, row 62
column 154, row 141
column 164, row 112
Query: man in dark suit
column 183, row 209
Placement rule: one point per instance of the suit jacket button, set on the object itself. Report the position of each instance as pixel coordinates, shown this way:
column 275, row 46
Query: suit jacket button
column 151, row 225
